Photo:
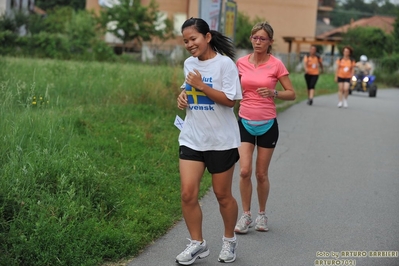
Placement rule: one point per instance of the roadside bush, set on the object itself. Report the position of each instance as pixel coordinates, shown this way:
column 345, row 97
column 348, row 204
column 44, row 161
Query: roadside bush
column 387, row 70
column 80, row 30
column 36, row 24
column 8, row 42
column 370, row 41
column 390, row 63
column 8, row 24
column 46, row 45
column 63, row 34
column 102, row 52
column 389, row 79
column 56, row 19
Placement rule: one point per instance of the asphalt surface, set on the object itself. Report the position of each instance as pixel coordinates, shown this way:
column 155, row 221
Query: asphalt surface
column 334, row 191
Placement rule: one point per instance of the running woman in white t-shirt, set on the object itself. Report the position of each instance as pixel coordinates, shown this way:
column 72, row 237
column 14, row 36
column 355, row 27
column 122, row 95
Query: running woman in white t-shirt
column 210, row 136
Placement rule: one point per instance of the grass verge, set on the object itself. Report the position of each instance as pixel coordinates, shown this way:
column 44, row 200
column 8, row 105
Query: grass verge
column 88, row 162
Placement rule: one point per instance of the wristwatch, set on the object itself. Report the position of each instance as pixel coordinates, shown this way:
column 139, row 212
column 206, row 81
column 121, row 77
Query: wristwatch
column 275, row 94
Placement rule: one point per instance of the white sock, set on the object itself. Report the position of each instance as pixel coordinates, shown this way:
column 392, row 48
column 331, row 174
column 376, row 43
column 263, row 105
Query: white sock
column 232, row 239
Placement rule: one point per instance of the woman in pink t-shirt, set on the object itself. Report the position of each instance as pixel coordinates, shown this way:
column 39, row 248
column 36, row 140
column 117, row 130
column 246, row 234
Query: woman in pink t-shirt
column 259, row 73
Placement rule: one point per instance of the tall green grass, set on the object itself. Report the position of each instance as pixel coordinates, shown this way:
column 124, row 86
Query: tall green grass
column 88, row 161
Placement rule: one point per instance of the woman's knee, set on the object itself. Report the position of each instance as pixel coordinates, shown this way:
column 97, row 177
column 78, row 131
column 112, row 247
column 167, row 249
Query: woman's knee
column 262, row 177
column 188, row 198
column 224, row 198
column 245, row 173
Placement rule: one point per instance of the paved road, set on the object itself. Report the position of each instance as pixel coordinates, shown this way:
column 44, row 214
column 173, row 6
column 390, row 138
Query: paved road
column 334, row 188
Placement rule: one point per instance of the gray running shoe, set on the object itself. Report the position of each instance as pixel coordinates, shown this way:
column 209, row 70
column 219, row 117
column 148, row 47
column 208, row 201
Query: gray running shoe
column 193, row 251
column 228, row 253
column 261, row 223
column 243, row 224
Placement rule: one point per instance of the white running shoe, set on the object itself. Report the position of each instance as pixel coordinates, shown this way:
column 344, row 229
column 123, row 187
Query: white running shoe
column 228, row 252
column 339, row 104
column 261, row 223
column 243, row 224
column 345, row 104
column 193, row 251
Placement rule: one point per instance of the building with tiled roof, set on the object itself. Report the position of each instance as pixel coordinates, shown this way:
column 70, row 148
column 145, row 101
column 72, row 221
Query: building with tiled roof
column 383, row 22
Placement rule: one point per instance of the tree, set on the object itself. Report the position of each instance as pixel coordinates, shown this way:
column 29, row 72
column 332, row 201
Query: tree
column 371, row 41
column 243, row 31
column 345, row 11
column 132, row 21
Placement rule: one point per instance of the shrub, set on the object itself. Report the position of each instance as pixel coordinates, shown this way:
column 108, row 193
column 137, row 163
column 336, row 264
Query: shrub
column 8, row 24
column 80, row 30
column 102, row 52
column 8, row 41
column 370, row 41
column 50, row 45
column 390, row 63
column 387, row 70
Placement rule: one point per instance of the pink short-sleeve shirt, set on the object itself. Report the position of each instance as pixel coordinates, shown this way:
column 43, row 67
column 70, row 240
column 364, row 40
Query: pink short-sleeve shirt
column 253, row 106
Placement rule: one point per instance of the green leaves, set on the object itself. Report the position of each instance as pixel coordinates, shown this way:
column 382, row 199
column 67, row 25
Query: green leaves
column 132, row 21
column 244, row 30
column 371, row 41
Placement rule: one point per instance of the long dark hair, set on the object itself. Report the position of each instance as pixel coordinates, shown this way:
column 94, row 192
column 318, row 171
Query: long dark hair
column 219, row 43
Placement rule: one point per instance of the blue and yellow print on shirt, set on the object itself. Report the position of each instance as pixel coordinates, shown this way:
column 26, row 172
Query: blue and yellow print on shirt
column 196, row 96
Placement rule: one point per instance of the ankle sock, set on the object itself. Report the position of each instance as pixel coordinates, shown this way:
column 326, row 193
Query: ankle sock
column 230, row 239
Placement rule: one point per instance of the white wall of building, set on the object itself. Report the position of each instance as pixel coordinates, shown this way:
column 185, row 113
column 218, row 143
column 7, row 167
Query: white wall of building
column 10, row 6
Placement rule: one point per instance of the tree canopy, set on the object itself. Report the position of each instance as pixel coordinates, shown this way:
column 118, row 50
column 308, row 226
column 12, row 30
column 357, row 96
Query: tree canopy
column 347, row 10
column 242, row 33
column 132, row 21
column 371, row 41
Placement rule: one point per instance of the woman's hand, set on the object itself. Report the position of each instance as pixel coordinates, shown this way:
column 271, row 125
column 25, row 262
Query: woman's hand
column 182, row 101
column 265, row 92
column 195, row 80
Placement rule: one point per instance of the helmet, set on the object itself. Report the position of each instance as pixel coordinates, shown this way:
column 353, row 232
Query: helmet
column 363, row 58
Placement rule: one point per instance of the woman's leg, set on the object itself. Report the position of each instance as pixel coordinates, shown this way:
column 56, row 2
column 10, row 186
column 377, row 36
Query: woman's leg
column 191, row 173
column 345, row 89
column 222, row 183
column 311, row 93
column 262, row 175
column 340, row 91
column 246, row 152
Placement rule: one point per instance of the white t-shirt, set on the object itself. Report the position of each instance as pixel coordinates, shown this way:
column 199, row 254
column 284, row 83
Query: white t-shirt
column 209, row 125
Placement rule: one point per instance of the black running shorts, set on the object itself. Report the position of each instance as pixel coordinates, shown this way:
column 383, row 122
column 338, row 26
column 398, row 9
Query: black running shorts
column 215, row 161
column 267, row 140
